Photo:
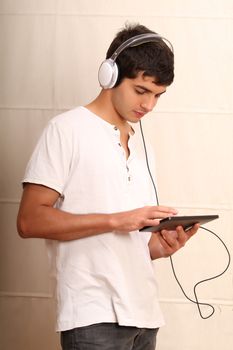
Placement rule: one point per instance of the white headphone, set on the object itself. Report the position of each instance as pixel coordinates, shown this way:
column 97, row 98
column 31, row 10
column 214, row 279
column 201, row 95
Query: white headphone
column 108, row 71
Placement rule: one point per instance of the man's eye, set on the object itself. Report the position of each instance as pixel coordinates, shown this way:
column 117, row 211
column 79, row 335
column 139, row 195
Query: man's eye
column 140, row 92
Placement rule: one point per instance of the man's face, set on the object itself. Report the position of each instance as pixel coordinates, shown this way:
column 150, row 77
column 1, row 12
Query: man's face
column 134, row 98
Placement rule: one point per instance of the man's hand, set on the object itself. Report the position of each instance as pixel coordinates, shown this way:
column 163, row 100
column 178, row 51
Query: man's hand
column 135, row 219
column 165, row 243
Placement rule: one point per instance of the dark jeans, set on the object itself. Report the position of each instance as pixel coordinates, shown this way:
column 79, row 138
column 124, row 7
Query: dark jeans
column 108, row 336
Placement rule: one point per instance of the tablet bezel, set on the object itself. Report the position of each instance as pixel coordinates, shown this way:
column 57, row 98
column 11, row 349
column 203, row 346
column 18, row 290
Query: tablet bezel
column 170, row 223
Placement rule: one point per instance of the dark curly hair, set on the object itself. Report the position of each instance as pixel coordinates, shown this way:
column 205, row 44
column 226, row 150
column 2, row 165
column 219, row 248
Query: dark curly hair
column 155, row 58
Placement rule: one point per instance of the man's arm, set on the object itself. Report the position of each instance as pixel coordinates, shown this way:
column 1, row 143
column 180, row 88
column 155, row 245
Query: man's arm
column 165, row 243
column 39, row 219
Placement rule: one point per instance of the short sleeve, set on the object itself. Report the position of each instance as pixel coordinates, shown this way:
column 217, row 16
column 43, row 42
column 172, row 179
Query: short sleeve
column 50, row 162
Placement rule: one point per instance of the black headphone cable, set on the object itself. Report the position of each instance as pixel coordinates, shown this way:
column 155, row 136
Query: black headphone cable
column 196, row 301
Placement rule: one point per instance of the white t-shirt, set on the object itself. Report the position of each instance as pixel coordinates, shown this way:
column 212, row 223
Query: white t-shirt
column 108, row 277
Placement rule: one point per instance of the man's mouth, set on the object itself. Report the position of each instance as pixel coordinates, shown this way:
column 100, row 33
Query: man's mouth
column 139, row 114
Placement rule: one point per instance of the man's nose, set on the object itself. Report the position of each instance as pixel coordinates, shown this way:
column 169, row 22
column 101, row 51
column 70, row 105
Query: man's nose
column 148, row 103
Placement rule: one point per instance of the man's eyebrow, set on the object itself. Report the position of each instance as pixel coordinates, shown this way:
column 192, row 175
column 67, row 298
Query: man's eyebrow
column 160, row 93
column 148, row 90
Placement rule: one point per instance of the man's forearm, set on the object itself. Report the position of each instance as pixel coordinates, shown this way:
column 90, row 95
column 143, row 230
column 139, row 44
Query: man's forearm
column 50, row 223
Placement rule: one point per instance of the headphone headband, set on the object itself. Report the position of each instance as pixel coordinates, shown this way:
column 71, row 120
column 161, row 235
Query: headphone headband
column 108, row 71
column 138, row 40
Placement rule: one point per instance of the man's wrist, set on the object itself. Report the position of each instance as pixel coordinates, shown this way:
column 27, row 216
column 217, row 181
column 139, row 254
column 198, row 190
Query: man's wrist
column 113, row 222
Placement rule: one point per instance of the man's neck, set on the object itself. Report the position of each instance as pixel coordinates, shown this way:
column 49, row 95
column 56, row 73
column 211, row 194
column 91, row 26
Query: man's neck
column 102, row 106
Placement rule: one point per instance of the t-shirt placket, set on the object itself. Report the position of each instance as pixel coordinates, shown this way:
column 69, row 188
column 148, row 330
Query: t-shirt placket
column 123, row 155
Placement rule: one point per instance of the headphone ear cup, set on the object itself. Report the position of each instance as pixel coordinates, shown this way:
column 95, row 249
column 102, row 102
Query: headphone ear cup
column 108, row 74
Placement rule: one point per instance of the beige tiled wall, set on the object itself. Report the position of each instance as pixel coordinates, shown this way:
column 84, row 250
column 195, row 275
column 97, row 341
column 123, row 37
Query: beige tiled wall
column 50, row 51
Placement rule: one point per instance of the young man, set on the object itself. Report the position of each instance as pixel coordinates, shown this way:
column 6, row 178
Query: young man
column 87, row 190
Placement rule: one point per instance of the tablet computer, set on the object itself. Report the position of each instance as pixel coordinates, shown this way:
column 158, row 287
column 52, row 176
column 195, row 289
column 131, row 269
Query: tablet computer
column 186, row 222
